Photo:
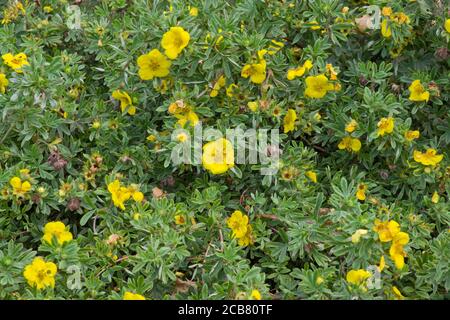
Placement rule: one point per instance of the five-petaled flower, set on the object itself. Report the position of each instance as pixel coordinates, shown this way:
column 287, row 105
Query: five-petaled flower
column 350, row 144
column 40, row 274
column 385, row 125
column 218, row 156
column 289, row 120
column 20, row 188
column 317, row 86
column 428, row 158
column 153, row 65
column 58, row 230
column 132, row 296
column 125, row 101
column 16, row 62
column 418, row 92
column 174, row 41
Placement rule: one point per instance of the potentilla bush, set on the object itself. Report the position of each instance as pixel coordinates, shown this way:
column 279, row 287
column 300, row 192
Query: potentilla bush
column 119, row 179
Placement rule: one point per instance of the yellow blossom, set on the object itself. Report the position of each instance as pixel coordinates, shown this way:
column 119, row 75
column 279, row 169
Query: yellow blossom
column 351, row 126
column 289, row 120
column 3, row 83
column 417, row 92
column 48, row 9
column 153, row 64
column 119, row 194
column 274, row 47
column 253, row 106
column 447, row 25
column 193, row 11
column 174, row 41
column 385, row 125
column 58, row 230
column 247, row 239
column 238, row 223
column 386, row 11
column 331, row 71
column 218, row 156
column 412, row 135
column 386, row 230
column 361, row 192
column 299, row 71
column 397, row 293
column 358, row 277
column 396, row 251
column 125, row 101
column 256, row 72
column 312, row 176
column 256, row 295
column 356, row 237
column 220, row 83
column 317, row 86
column 187, row 117
column 179, row 219
column 19, row 188
column 435, row 197
column 40, row 274
column 350, row 144
column 230, row 90
column 315, row 25
column 16, row 62
column 135, row 193
column 429, row 158
column 132, row 296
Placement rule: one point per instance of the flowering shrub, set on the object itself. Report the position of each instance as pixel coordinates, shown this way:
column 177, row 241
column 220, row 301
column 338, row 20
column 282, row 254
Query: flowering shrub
column 98, row 99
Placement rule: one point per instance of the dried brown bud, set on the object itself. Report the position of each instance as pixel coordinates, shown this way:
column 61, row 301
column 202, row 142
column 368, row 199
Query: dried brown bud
column 157, row 193
column 442, row 54
column 112, row 240
column 36, row 198
column 73, row 204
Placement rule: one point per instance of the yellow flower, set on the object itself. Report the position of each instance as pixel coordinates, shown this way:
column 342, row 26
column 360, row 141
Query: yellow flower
column 132, row 296
column 256, row 72
column 386, row 11
column 397, row 293
column 350, row 144
column 3, row 83
column 312, row 176
column 187, row 117
column 220, row 83
column 385, row 125
column 125, row 101
column 411, row 135
column 417, row 92
column 356, row 237
column 400, row 18
column 361, row 192
column 299, row 71
column 447, row 25
column 385, row 29
column 58, row 230
column 19, row 188
column 315, row 25
column 179, row 219
column 351, row 126
column 16, row 62
column 289, row 120
column 247, row 239
column 193, row 12
column 230, row 90
column 48, row 9
column 317, row 86
column 275, row 47
column 174, row 41
column 396, row 251
column 331, row 71
column 256, row 295
column 435, row 197
column 153, row 64
column 119, row 194
column 382, row 264
column 135, row 193
column 386, row 230
column 319, row 280
column 40, row 274
column 358, row 277
column 238, row 223
column 429, row 158
column 218, row 156
column 253, row 106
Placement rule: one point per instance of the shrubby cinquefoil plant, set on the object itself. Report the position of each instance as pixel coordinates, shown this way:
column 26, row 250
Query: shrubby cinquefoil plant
column 96, row 97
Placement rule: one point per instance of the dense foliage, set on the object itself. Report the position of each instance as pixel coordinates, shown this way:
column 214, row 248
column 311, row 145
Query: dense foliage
column 93, row 207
